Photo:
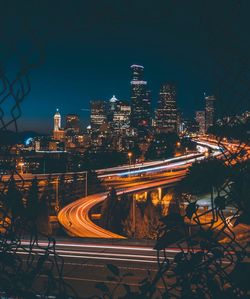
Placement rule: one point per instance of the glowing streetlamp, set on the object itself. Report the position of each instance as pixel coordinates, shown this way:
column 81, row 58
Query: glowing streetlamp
column 130, row 154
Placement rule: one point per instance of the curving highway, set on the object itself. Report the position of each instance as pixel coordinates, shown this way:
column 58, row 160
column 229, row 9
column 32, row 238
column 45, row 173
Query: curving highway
column 75, row 216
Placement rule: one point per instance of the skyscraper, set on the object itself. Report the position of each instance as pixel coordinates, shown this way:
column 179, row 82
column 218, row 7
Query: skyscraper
column 98, row 114
column 121, row 116
column 140, row 99
column 58, row 132
column 201, row 120
column 209, row 110
column 166, row 114
column 113, row 103
column 112, row 107
column 118, row 114
column 72, row 123
column 57, row 120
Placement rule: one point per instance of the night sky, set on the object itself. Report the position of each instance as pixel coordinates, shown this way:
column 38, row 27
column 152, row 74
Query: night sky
column 88, row 46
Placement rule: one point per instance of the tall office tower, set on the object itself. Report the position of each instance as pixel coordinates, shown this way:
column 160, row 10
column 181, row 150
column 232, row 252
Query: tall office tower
column 166, row 114
column 140, row 99
column 57, row 120
column 179, row 121
column 98, row 114
column 58, row 132
column 72, row 123
column 121, row 117
column 200, row 118
column 209, row 110
column 111, row 108
column 113, row 102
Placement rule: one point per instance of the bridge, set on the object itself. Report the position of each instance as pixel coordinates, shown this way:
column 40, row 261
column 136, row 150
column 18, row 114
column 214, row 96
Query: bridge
column 75, row 217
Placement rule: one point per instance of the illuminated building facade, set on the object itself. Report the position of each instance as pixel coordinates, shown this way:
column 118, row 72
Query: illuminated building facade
column 57, row 120
column 72, row 123
column 58, row 132
column 209, row 111
column 118, row 114
column 166, row 114
column 111, row 108
column 140, row 99
column 200, row 118
column 98, row 114
column 121, row 116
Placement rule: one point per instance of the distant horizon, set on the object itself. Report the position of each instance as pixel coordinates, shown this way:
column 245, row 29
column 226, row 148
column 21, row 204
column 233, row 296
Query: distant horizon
column 86, row 50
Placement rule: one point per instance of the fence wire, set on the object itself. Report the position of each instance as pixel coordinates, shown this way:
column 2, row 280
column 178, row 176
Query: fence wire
column 29, row 264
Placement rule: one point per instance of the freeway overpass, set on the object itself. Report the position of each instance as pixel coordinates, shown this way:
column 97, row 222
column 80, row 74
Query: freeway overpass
column 122, row 171
column 127, row 169
column 75, row 216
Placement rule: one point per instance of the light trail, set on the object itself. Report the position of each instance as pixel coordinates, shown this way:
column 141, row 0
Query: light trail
column 77, row 213
column 112, row 252
column 165, row 167
column 98, row 246
column 75, row 216
column 144, row 164
column 207, row 144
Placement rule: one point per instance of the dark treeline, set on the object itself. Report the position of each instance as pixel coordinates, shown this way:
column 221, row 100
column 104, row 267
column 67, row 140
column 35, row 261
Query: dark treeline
column 134, row 219
column 33, row 207
column 239, row 131
column 215, row 177
column 208, row 176
column 166, row 145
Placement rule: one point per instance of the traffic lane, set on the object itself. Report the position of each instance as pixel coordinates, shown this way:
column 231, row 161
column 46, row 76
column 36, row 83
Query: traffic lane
column 108, row 253
column 83, row 272
column 136, row 181
column 79, row 223
column 118, row 254
column 83, row 277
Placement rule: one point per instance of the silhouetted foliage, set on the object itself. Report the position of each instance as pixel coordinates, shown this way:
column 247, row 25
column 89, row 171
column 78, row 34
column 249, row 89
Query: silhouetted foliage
column 13, row 200
column 94, row 183
column 136, row 152
column 204, row 175
column 113, row 212
column 22, row 264
column 102, row 160
column 240, row 190
column 236, row 130
column 163, row 146
column 32, row 205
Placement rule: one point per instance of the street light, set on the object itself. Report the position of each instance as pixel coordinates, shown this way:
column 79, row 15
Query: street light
column 130, row 154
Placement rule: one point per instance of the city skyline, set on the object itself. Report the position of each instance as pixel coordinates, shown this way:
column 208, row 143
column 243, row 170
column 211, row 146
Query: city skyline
column 143, row 94
column 86, row 58
column 124, row 149
column 84, row 110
